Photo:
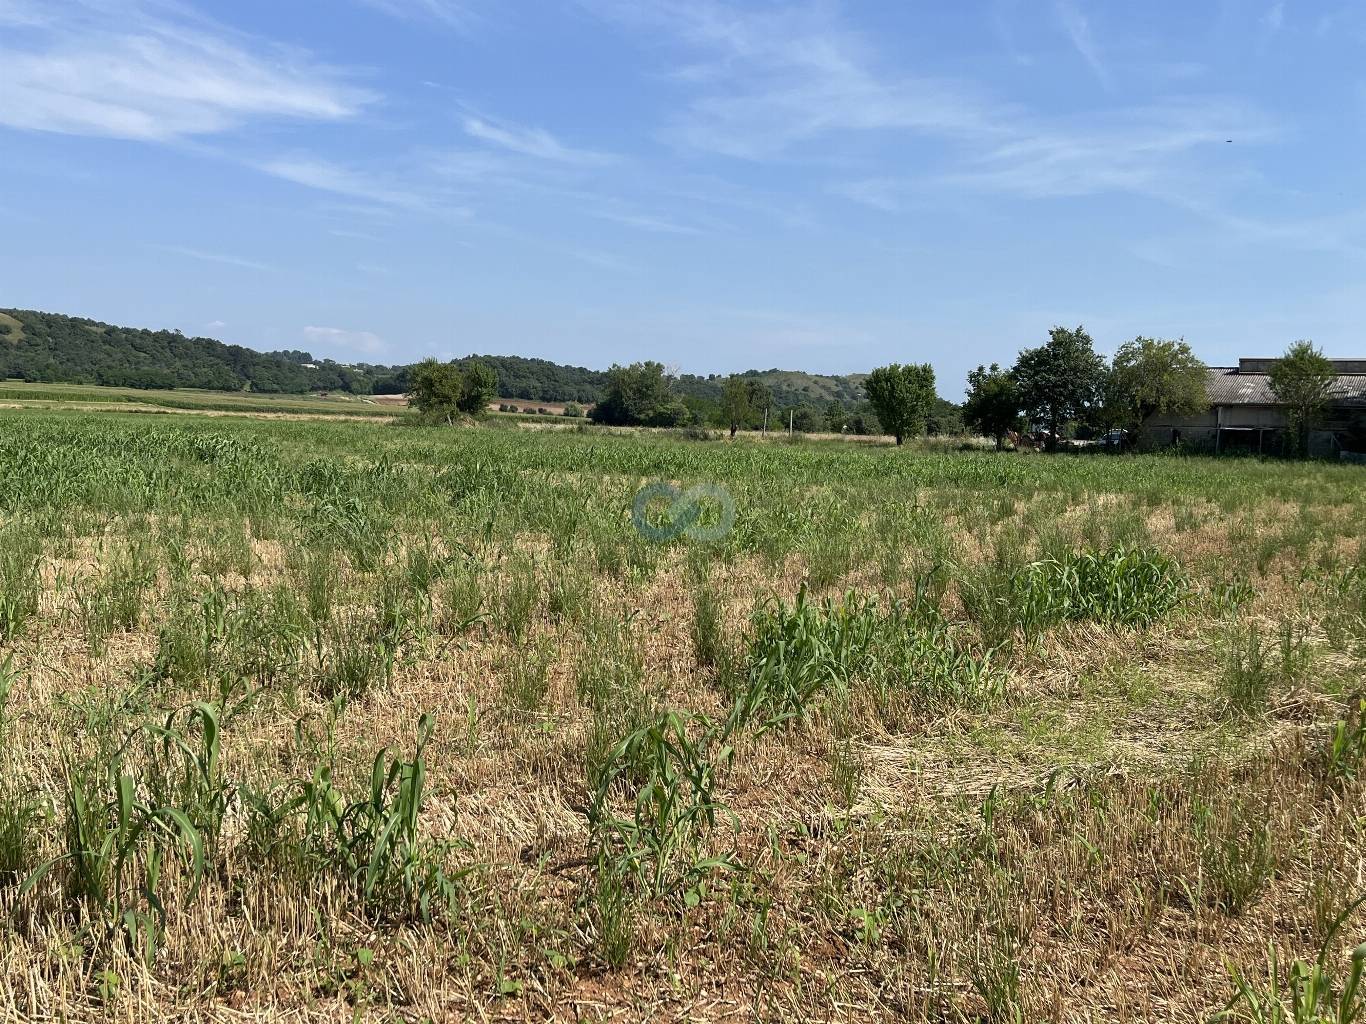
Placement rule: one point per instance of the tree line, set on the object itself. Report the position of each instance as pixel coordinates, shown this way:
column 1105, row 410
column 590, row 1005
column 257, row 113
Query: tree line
column 1065, row 384
column 53, row 348
column 1061, row 386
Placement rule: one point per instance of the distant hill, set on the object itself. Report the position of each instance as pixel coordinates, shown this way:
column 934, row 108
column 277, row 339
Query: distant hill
column 52, row 348
column 788, row 387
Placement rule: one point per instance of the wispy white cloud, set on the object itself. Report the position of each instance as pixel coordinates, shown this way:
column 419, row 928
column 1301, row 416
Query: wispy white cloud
column 122, row 72
column 337, row 179
column 1078, row 29
column 453, row 13
column 214, row 325
column 647, row 222
column 362, row 236
column 532, row 142
column 1342, row 234
column 366, row 342
column 598, row 258
column 1135, row 150
column 885, row 194
column 774, row 78
column 1270, row 25
column 211, row 257
column 24, row 14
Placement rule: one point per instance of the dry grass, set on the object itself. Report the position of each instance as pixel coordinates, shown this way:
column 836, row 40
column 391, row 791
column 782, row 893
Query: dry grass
column 1100, row 835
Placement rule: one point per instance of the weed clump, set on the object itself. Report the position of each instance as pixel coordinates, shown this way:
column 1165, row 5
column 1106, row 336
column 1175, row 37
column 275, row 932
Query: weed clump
column 1132, row 587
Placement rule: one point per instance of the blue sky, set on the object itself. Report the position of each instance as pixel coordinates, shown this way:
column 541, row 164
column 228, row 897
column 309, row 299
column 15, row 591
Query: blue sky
column 717, row 185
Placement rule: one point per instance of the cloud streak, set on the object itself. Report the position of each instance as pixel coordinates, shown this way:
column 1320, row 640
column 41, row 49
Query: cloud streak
column 453, row 14
column 533, row 142
column 212, row 257
column 1078, row 30
column 132, row 75
column 781, row 77
column 328, row 176
column 1134, row 150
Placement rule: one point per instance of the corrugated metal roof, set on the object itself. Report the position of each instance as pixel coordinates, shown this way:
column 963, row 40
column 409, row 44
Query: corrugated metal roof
column 1226, row 386
column 1263, row 364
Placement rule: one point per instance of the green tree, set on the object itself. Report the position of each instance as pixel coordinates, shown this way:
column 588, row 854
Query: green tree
column 742, row 403
column 902, row 396
column 836, row 417
column 1061, row 380
column 639, row 395
column 736, row 407
column 945, row 418
column 806, row 419
column 993, row 402
column 480, row 384
column 1150, row 377
column 573, row 410
column 436, row 389
column 1301, row 381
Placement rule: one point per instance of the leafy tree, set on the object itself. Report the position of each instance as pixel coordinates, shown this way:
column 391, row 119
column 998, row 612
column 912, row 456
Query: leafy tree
column 735, row 407
column 437, row 389
column 743, row 400
column 1061, row 380
column 479, row 384
column 993, row 402
column 573, row 410
column 836, row 417
column 903, row 397
column 639, row 395
column 1301, row 380
column 863, row 420
column 806, row 419
column 1150, row 377
column 945, row 418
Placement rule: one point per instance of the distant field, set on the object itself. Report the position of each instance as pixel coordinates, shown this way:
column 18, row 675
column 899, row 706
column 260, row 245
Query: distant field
column 331, row 720
column 24, row 394
column 80, row 395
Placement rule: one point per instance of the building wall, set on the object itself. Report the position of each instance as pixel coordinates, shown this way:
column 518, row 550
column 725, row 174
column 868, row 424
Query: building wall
column 1200, row 432
column 1193, row 431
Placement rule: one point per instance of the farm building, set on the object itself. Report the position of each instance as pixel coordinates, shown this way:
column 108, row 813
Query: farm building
column 1245, row 415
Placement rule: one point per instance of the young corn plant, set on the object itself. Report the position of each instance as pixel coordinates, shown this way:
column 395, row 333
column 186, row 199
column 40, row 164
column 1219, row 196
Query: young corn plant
column 1122, row 586
column 672, row 774
column 1342, row 760
column 799, row 653
column 117, row 843
column 812, row 649
column 373, row 844
column 1308, row 993
column 185, row 770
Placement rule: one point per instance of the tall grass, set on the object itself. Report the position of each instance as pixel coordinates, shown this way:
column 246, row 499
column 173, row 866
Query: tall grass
column 1118, row 587
column 792, row 794
column 20, row 550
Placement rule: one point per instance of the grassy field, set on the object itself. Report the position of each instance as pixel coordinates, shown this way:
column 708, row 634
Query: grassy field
column 14, row 393
column 343, row 720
